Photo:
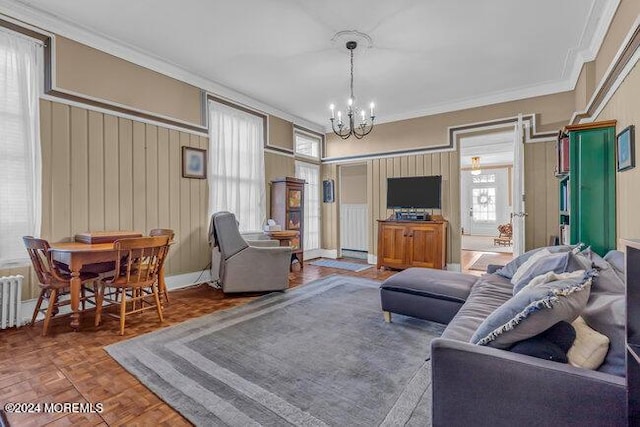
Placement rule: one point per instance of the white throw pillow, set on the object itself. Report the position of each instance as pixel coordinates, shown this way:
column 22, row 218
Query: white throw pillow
column 552, row 277
column 590, row 347
column 524, row 268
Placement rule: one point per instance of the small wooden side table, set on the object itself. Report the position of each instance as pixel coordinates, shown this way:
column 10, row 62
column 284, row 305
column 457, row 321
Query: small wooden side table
column 289, row 238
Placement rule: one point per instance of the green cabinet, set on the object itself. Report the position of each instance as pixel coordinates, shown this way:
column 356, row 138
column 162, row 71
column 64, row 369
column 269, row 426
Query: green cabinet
column 587, row 187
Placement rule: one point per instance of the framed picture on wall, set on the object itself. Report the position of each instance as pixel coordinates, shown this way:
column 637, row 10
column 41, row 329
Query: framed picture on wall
column 194, row 163
column 625, row 149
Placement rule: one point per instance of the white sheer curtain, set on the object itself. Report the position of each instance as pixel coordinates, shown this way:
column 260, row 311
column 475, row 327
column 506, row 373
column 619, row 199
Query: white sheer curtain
column 20, row 170
column 236, row 159
column 310, row 173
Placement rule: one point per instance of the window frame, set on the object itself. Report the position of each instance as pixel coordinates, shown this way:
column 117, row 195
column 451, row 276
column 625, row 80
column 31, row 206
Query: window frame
column 297, row 130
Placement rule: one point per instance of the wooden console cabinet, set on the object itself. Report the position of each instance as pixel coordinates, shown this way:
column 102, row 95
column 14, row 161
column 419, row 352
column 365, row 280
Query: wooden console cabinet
column 404, row 244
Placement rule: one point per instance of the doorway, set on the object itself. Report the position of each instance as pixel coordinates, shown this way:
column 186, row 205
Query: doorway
column 354, row 238
column 486, row 182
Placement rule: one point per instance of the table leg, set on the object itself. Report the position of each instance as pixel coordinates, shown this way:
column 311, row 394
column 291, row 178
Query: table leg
column 74, row 289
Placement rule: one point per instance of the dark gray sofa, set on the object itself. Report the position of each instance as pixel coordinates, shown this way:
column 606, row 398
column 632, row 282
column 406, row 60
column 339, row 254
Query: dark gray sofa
column 476, row 385
column 483, row 386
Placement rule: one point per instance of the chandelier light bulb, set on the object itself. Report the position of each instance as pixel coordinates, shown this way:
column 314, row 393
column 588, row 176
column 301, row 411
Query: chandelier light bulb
column 372, row 106
column 332, row 108
column 339, row 117
column 363, row 118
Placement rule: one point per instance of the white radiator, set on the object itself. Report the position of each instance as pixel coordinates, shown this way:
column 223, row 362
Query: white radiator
column 353, row 226
column 10, row 301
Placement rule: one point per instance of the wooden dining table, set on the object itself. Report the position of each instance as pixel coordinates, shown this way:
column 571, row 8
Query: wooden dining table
column 77, row 255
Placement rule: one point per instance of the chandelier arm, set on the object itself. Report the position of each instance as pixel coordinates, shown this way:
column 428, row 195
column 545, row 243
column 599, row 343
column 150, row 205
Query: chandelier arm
column 338, row 131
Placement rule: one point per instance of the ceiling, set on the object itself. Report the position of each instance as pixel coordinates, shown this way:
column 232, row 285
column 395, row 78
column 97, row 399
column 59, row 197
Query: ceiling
column 426, row 56
column 493, row 149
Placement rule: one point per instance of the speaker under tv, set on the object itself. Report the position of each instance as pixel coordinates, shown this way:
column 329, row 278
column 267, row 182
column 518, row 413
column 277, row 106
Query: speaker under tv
column 416, row 192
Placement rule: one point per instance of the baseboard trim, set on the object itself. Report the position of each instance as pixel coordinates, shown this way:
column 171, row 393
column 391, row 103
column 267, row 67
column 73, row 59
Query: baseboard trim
column 454, row 267
column 328, row 253
column 177, row 281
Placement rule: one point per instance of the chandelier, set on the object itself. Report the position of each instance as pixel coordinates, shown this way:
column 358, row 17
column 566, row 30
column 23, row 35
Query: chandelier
column 475, row 166
column 354, row 113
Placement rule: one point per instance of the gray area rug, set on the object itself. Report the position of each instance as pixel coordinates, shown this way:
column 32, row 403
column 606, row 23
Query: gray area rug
column 484, row 260
column 317, row 355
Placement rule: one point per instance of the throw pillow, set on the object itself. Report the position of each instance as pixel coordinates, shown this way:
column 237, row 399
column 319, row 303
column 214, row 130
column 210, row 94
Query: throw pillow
column 590, row 347
column 556, row 263
column 534, row 310
column 509, row 270
column 552, row 277
column 551, row 344
column 524, row 268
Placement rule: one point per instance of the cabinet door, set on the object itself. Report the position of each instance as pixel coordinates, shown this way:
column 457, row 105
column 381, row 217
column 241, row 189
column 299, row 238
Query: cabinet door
column 425, row 246
column 593, row 189
column 394, row 245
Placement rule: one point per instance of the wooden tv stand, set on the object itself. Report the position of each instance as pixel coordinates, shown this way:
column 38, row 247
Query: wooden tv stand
column 404, row 244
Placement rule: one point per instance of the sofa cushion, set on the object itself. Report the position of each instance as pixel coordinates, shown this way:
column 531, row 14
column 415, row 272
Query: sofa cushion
column 534, row 310
column 438, row 284
column 616, row 259
column 605, row 312
column 509, row 270
column 489, row 293
column 590, row 347
column 556, row 263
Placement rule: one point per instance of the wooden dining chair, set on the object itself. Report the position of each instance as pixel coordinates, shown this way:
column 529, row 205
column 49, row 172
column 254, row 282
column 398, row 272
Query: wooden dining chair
column 54, row 282
column 135, row 282
column 162, row 285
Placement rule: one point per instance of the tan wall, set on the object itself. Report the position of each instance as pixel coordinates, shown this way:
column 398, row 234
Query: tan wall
column 541, row 190
column 625, row 16
column 90, row 72
column 378, row 170
column 280, row 133
column 624, row 106
column 540, row 187
column 554, row 111
column 353, row 184
column 101, row 172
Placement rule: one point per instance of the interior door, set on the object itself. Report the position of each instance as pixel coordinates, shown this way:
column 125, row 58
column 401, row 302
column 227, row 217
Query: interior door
column 518, row 214
column 487, row 203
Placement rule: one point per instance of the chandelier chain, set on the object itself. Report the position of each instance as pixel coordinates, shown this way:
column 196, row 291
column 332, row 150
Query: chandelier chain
column 358, row 131
column 351, row 83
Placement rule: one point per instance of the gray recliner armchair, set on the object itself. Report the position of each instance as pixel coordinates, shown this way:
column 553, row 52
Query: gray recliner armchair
column 241, row 267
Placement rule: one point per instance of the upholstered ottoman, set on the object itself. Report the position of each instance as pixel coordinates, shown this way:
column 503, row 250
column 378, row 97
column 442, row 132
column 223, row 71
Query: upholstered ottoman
column 425, row 293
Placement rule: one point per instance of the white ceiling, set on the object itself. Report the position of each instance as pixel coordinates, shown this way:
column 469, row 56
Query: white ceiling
column 493, row 149
column 427, row 56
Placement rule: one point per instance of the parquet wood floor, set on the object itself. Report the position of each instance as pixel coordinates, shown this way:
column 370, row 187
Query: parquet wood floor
column 68, row 366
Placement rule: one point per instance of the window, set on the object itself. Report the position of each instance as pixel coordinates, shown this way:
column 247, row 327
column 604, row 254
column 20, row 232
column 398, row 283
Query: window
column 20, row 186
column 307, row 144
column 484, row 204
column 310, row 173
column 236, row 159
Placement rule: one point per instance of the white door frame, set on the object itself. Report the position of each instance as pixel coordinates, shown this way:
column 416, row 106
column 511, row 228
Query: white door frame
column 518, row 212
column 517, row 202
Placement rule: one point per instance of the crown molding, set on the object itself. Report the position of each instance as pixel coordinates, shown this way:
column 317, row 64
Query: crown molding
column 496, row 98
column 51, row 23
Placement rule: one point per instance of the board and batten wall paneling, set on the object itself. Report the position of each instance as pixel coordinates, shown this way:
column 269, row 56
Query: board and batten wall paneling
column 446, row 164
column 541, row 192
column 101, row 172
column 540, row 187
column 624, row 106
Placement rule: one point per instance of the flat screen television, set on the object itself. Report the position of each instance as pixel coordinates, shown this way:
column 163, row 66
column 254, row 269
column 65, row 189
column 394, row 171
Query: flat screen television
column 416, row 192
